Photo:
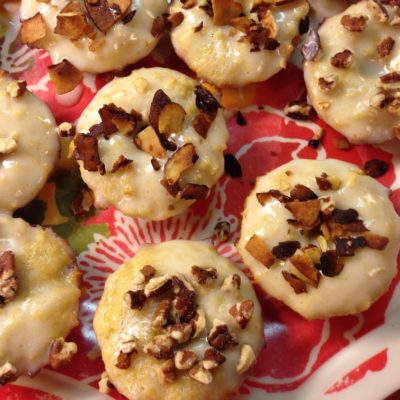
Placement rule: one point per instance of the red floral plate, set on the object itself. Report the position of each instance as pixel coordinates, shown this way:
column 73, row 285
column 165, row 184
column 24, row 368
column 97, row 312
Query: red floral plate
column 356, row 357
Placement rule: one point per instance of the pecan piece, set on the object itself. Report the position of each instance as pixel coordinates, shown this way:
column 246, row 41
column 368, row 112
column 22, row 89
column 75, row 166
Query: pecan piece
column 184, row 306
column 213, row 359
column 242, row 312
column 135, row 299
column 126, row 350
column 375, row 241
column 298, row 110
column 247, row 359
column 87, row 150
column 220, row 337
column 344, row 216
column 327, row 83
column 32, row 30
column 385, row 47
column 183, row 159
column 297, row 285
column 185, row 359
column 326, row 182
column 198, row 323
column 231, row 283
column 7, row 373
column 158, row 285
column 61, row 352
column 8, row 279
column 161, row 347
column 166, row 372
column 302, row 193
column 180, row 332
column 260, row 251
column 331, row 265
column 311, row 46
column 306, row 213
column 161, row 314
column 354, row 23
column 204, row 276
column 342, row 59
column 304, row 264
column 144, row 275
column 285, row 249
column 200, row 374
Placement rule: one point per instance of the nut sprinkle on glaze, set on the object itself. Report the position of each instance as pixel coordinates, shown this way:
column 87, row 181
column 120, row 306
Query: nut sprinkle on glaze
column 322, row 236
column 181, row 336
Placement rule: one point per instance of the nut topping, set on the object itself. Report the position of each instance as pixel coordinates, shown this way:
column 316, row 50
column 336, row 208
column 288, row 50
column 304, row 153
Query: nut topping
column 87, row 150
column 116, row 119
column 285, row 249
column 16, row 88
column 161, row 347
column 183, row 159
column 354, row 23
column 225, row 11
column 33, row 30
column 231, row 283
column 119, row 163
column 166, row 372
column 200, row 374
column 376, row 242
column 61, row 352
column 105, row 384
column 184, row 306
column 8, row 279
column 7, row 373
column 247, row 359
column 385, row 47
column 327, row 83
column 144, row 275
column 148, row 141
column 342, row 59
column 135, row 299
column 220, row 337
column 181, row 332
column 161, row 314
column 303, row 264
column 331, row 265
column 64, row 76
column 375, row 168
column 213, row 359
column 204, row 276
column 158, row 285
column 198, row 323
column 125, row 350
column 191, row 191
column 298, row 285
column 378, row 10
column 185, row 359
column 298, row 110
column 306, row 213
column 260, row 251
column 66, row 129
column 302, row 193
column 242, row 312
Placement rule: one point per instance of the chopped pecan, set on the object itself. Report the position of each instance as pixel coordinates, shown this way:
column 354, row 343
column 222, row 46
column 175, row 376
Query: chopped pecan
column 298, row 110
column 232, row 166
column 161, row 314
column 166, row 372
column 165, row 116
column 222, row 231
column 225, row 10
column 327, row 83
column 198, row 323
column 342, row 59
column 304, row 264
column 8, row 279
column 213, row 359
column 158, row 285
column 16, row 88
column 204, row 276
column 375, row 168
column 119, row 163
column 7, row 373
column 144, row 275
column 135, row 299
column 8, row 145
column 231, row 283
column 297, row 285
column 180, row 332
column 192, row 191
column 148, row 141
column 61, row 352
column 260, row 251
column 161, row 347
column 32, row 30
column 378, row 10
column 183, row 159
column 354, row 23
column 285, row 249
column 64, row 76
column 391, row 78
column 185, row 359
column 331, row 264
column 200, row 374
column 327, row 206
column 375, row 241
column 302, row 193
column 220, row 337
column 184, row 306
column 247, row 359
column 126, row 350
column 311, row 46
column 242, row 312
column 116, row 119
column 306, row 213
column 86, row 149
column 180, row 285
column 346, row 247
column 82, row 203
column 385, row 47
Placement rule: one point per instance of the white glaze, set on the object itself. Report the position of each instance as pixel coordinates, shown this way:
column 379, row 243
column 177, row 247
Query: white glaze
column 30, row 123
column 215, row 54
column 124, row 43
column 46, row 303
column 174, row 257
column 349, row 111
column 365, row 277
column 133, row 190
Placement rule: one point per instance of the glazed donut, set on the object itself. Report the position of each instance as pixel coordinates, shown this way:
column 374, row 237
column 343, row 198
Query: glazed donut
column 321, row 237
column 178, row 321
column 29, row 144
column 231, row 43
column 94, row 36
column 39, row 296
column 155, row 135
column 352, row 72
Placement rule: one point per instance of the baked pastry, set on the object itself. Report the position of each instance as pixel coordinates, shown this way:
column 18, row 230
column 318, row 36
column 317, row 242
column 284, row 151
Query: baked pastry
column 320, row 236
column 352, row 73
column 178, row 321
column 29, row 144
column 155, row 134
column 39, row 297
column 232, row 43
column 94, row 36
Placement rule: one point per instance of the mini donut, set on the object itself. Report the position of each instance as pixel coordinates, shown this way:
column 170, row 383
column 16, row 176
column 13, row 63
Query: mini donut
column 352, row 72
column 176, row 322
column 321, row 237
column 94, row 37
column 155, row 135
column 29, row 144
column 39, row 296
column 233, row 43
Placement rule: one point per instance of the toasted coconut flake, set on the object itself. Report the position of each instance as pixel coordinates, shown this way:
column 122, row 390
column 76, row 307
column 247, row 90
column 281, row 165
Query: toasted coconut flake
column 260, row 251
column 304, row 264
column 306, row 213
column 354, row 23
column 385, row 47
column 33, row 30
column 342, row 59
column 302, row 193
column 120, row 162
column 264, row 197
column 298, row 285
column 375, row 241
column 104, row 15
column 192, row 191
column 182, row 160
column 225, row 10
column 331, row 265
column 117, row 119
column 148, row 141
column 312, row 46
column 242, row 312
column 86, row 149
column 285, row 249
column 64, row 76
column 61, row 352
